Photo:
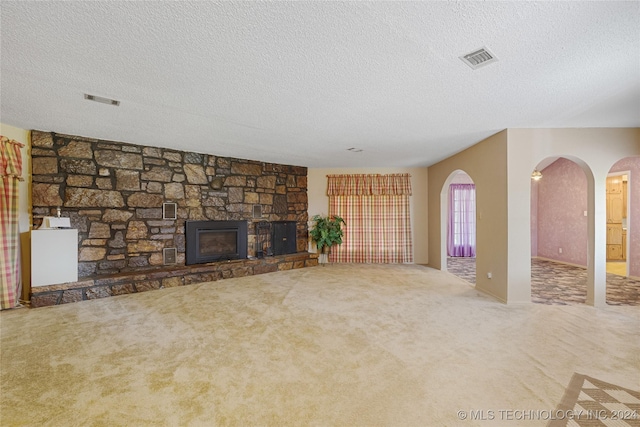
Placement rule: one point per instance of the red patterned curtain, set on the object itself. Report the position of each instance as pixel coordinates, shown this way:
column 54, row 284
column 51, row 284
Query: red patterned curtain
column 376, row 211
column 10, row 174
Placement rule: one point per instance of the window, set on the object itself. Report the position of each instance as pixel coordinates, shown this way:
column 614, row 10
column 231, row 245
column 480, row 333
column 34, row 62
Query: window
column 461, row 230
column 376, row 211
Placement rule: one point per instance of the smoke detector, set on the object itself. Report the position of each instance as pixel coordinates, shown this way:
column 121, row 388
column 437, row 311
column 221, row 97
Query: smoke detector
column 479, row 58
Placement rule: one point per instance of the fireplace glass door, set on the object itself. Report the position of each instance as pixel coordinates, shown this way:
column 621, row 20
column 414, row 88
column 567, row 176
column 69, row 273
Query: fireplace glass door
column 210, row 241
column 218, row 242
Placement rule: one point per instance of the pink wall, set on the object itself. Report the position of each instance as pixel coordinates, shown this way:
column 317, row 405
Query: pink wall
column 562, row 200
column 632, row 164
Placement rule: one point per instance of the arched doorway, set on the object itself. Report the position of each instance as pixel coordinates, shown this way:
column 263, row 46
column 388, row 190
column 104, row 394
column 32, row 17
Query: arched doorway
column 559, row 232
column 617, row 217
column 460, row 225
column 623, row 232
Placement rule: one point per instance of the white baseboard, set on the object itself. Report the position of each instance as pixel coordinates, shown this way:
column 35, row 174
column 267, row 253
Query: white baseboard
column 489, row 294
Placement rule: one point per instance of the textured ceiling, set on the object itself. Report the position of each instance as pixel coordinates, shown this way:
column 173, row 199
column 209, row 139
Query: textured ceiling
column 301, row 82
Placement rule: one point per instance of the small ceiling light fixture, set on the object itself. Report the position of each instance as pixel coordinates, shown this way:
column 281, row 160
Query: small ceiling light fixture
column 479, row 58
column 355, row 150
column 536, row 175
column 101, row 99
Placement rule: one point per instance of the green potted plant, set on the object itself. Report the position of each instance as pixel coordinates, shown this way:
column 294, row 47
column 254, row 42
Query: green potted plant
column 326, row 232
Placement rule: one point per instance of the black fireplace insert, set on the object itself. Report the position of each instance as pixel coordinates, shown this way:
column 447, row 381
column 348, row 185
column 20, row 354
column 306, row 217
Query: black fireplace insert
column 210, row 241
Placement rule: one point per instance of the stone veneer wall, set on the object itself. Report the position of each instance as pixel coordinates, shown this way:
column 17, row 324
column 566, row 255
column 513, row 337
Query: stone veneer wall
column 113, row 192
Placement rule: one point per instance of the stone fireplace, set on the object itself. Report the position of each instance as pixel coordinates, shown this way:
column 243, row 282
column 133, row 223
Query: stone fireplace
column 210, row 241
column 114, row 193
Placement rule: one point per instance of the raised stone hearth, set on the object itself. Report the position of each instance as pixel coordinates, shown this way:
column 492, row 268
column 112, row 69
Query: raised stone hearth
column 132, row 282
column 114, row 193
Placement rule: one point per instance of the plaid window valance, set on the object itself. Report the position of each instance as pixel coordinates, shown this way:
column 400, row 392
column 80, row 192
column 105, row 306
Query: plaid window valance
column 10, row 158
column 369, row 185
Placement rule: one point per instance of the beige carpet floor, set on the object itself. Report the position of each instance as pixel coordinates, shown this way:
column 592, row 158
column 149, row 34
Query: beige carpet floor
column 342, row 345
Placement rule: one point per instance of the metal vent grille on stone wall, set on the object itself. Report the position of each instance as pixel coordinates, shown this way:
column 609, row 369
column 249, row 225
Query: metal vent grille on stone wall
column 169, row 256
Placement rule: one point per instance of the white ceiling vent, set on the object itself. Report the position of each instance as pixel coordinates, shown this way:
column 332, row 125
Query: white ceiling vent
column 479, row 58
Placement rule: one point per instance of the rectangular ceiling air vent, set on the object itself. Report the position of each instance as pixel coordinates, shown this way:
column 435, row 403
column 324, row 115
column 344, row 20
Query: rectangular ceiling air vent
column 479, row 58
column 101, row 99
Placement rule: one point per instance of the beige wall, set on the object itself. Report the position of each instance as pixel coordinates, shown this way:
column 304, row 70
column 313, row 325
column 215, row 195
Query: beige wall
column 486, row 164
column 319, row 201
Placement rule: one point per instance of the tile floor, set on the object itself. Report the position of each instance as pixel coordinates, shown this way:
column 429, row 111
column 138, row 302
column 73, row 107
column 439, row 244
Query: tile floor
column 559, row 284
